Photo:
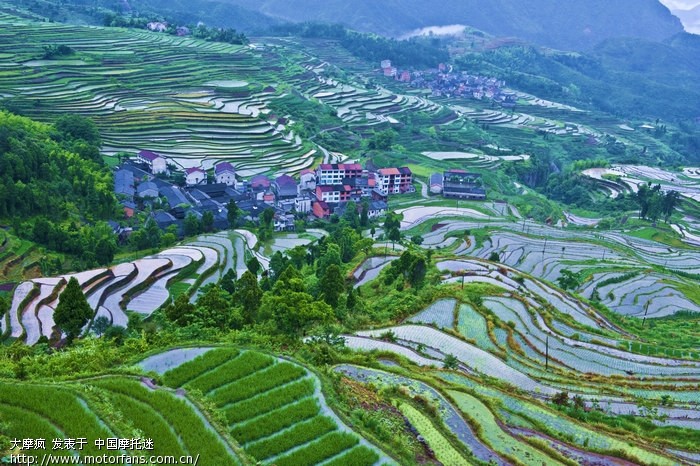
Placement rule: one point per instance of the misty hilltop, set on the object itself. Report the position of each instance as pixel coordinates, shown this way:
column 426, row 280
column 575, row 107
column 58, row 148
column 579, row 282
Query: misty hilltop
column 576, row 25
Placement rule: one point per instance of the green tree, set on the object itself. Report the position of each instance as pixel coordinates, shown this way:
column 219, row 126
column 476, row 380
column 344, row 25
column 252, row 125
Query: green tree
column 208, row 221
column 331, row 256
column 4, row 306
column 181, row 311
column 569, row 280
column 253, row 264
column 192, row 225
column 450, row 362
column 297, row 256
column 351, row 216
column 100, row 325
column 248, row 295
column 278, row 263
column 364, row 213
column 104, row 251
column 294, row 312
column 214, row 310
column 228, row 281
column 232, row 214
column 332, row 285
column 73, row 310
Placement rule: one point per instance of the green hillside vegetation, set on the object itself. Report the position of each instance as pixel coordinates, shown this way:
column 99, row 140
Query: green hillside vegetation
column 64, row 160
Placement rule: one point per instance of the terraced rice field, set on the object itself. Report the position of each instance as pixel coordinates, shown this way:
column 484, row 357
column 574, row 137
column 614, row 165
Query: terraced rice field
column 274, row 408
column 142, row 286
column 544, row 252
column 175, row 424
column 171, row 98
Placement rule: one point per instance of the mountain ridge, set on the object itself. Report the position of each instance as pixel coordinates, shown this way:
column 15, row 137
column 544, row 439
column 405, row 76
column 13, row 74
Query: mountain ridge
column 581, row 25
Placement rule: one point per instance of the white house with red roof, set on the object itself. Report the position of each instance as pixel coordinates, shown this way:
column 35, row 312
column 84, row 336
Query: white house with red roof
column 195, row 176
column 307, row 180
column 225, row 173
column 395, row 180
column 155, row 162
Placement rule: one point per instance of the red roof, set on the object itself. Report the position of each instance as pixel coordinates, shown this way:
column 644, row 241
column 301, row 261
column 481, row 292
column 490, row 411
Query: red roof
column 224, row 166
column 148, row 155
column 307, row 171
column 260, row 181
column 189, row 171
column 340, row 166
column 389, row 171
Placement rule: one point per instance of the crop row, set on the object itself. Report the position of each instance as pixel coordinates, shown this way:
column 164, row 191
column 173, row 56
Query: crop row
column 298, row 435
column 443, row 449
column 195, row 435
column 269, row 401
column 144, row 418
column 275, row 421
column 58, row 406
column 326, row 447
column 358, row 456
column 245, row 364
column 22, row 423
column 184, row 373
column 241, row 389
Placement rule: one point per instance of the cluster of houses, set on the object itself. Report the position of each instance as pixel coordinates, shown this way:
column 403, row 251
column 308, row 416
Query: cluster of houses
column 160, row 26
column 445, row 82
column 317, row 194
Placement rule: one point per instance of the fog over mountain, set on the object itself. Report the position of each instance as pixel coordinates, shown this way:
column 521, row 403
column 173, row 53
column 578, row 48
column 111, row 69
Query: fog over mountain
column 576, row 25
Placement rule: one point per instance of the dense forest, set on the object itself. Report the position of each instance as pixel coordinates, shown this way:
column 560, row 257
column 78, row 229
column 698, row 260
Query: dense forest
column 54, row 188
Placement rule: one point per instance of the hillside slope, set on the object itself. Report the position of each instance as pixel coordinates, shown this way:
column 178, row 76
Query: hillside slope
column 565, row 25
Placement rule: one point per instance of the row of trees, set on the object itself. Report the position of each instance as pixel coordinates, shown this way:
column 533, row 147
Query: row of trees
column 655, row 204
column 200, row 31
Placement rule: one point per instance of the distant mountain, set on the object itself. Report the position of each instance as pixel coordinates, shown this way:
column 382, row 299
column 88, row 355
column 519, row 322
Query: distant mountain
column 562, row 24
column 690, row 19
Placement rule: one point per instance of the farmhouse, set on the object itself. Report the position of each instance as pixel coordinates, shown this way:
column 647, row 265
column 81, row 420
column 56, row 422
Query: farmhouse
column 225, row 173
column 195, row 176
column 436, row 183
column 461, row 184
column 307, row 180
column 395, row 180
column 147, row 189
column 285, row 187
column 156, row 164
column 124, row 183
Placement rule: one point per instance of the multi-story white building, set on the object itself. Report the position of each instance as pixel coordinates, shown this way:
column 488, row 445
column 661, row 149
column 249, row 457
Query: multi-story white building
column 330, row 174
column 155, row 162
column 225, row 173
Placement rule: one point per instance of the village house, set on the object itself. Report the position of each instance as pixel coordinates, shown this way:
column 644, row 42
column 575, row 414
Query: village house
column 285, row 187
column 461, row 184
column 124, row 184
column 156, row 164
column 377, row 209
column 307, row 180
column 395, row 180
column 436, row 183
column 329, row 174
column 147, row 189
column 321, row 209
column 225, row 173
column 302, row 203
column 260, row 183
column 195, row 176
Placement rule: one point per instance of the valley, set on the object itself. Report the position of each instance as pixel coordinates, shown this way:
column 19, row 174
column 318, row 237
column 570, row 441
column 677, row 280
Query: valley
column 282, row 252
